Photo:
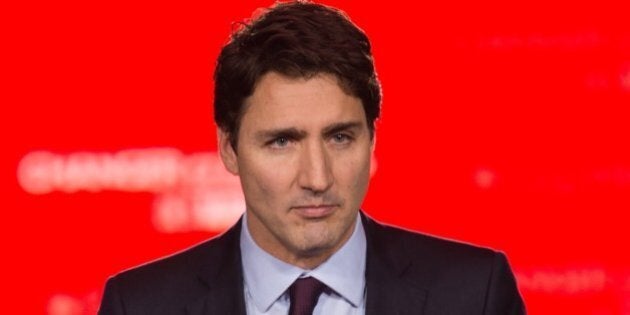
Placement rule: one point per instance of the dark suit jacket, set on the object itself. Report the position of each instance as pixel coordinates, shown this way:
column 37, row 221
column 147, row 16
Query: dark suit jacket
column 406, row 272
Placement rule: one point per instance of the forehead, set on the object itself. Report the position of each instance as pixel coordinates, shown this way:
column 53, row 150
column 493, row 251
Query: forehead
column 282, row 101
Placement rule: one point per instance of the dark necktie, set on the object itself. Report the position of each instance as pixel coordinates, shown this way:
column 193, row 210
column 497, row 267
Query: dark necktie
column 303, row 294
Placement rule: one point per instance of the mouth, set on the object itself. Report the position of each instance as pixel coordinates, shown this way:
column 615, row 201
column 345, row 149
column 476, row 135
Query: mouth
column 314, row 211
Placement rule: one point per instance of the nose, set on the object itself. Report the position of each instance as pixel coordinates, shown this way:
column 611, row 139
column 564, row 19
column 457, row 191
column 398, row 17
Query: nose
column 315, row 172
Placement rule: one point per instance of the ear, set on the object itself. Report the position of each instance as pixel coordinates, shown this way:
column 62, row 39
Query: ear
column 373, row 142
column 373, row 161
column 228, row 156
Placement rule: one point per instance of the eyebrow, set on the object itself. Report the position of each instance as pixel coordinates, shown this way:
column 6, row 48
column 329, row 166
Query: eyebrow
column 297, row 134
column 343, row 126
column 292, row 133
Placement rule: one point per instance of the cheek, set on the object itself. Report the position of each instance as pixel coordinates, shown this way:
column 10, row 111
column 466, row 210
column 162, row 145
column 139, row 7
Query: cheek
column 354, row 173
column 264, row 179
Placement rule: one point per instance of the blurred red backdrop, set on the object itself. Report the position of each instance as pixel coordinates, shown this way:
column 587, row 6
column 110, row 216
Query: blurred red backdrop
column 502, row 125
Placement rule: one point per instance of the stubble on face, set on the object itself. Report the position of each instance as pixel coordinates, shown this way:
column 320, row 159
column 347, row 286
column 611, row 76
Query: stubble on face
column 303, row 158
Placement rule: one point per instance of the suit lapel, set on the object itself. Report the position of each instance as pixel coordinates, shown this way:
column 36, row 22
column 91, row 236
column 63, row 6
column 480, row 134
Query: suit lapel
column 222, row 274
column 389, row 289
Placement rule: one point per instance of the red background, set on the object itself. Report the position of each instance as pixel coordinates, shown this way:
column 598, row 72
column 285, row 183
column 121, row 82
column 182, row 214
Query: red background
column 502, row 125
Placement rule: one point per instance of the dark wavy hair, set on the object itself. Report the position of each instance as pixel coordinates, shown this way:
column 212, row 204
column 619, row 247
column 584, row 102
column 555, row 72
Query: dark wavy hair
column 295, row 39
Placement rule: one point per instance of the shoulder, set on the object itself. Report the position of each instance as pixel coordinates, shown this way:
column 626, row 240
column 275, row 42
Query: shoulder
column 477, row 277
column 188, row 262
column 183, row 264
column 171, row 281
column 396, row 241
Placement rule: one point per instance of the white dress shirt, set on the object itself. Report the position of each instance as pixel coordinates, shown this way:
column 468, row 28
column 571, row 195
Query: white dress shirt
column 267, row 278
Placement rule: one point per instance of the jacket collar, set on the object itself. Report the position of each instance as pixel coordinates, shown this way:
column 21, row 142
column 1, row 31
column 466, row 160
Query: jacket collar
column 222, row 274
column 389, row 289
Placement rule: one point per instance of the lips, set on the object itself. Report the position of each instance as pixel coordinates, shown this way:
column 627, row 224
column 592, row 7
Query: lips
column 314, row 211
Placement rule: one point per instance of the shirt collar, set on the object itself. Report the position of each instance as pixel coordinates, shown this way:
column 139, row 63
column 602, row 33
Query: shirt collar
column 267, row 278
column 344, row 271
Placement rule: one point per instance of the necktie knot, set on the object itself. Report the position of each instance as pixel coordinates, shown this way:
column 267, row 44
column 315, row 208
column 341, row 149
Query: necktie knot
column 303, row 295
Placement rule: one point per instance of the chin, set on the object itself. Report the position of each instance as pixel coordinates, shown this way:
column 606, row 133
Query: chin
column 319, row 244
column 315, row 250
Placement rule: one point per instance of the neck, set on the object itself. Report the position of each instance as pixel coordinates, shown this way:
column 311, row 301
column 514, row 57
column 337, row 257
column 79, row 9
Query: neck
column 305, row 257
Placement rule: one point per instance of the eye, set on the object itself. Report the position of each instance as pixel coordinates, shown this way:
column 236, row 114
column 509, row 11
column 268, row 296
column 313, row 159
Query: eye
column 341, row 138
column 279, row 142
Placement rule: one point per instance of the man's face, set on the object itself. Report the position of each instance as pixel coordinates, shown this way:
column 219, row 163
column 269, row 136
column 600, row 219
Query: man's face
column 303, row 157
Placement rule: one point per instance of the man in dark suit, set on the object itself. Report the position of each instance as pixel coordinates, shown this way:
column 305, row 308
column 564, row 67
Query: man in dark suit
column 296, row 98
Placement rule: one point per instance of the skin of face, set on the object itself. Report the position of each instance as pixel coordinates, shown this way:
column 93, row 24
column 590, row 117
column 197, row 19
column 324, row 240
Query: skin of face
column 303, row 158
